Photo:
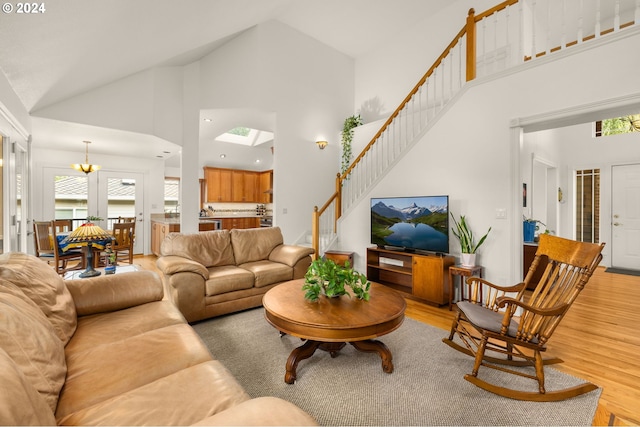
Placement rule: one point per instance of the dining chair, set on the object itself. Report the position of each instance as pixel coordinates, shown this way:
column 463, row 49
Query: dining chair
column 48, row 248
column 44, row 246
column 123, row 234
column 129, row 219
column 62, row 225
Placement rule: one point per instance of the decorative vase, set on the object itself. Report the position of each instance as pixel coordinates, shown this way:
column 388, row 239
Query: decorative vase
column 468, row 260
column 110, row 269
column 529, row 230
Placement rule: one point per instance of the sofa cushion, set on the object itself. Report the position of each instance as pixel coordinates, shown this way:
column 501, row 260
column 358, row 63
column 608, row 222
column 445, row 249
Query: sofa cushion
column 209, row 248
column 44, row 287
column 267, row 272
column 111, row 292
column 106, row 371
column 269, row 411
column 102, row 329
column 254, row 244
column 29, row 339
column 227, row 278
column 20, row 402
column 194, row 393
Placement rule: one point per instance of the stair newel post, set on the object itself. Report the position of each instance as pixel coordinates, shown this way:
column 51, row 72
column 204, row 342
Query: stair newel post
column 338, row 203
column 471, row 45
column 315, row 232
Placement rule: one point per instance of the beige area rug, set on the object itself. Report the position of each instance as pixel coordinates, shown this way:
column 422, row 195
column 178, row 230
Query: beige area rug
column 426, row 387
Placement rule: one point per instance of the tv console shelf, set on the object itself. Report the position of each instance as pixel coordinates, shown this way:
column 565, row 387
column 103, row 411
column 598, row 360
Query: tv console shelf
column 423, row 276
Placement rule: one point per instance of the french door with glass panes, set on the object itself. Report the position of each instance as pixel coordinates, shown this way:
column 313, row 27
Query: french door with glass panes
column 68, row 194
column 120, row 194
column 14, row 192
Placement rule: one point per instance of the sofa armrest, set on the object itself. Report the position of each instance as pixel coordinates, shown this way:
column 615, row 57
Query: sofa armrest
column 114, row 292
column 289, row 254
column 172, row 264
column 261, row 411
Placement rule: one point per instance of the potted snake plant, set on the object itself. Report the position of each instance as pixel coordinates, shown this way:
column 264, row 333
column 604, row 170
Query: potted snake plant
column 468, row 246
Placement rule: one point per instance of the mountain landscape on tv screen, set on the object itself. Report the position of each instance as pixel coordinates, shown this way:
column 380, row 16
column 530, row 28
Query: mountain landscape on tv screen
column 413, row 226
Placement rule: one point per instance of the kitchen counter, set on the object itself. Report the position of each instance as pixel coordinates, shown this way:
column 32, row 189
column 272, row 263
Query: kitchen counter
column 217, row 217
column 161, row 225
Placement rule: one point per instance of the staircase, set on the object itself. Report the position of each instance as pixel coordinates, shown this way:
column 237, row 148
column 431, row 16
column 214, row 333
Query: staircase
column 505, row 36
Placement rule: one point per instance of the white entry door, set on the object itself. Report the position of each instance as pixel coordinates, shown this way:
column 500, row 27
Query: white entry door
column 625, row 221
column 122, row 194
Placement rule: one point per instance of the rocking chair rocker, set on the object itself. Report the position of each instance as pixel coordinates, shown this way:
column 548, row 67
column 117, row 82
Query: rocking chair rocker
column 518, row 327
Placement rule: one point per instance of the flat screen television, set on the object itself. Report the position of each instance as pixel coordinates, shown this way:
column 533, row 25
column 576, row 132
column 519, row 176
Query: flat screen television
column 411, row 223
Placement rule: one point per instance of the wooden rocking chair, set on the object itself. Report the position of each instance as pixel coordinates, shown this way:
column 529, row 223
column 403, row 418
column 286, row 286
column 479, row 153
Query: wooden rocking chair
column 514, row 330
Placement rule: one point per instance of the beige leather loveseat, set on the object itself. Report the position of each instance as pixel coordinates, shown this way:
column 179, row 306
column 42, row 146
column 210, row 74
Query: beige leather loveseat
column 212, row 273
column 109, row 350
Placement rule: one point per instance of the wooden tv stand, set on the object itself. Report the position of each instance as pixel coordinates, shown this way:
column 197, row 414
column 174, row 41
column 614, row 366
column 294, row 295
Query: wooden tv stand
column 422, row 276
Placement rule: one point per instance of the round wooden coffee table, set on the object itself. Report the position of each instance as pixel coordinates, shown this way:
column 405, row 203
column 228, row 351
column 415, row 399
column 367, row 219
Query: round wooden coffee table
column 330, row 323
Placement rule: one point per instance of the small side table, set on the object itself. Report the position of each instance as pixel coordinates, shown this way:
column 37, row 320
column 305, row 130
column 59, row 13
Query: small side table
column 463, row 272
column 340, row 257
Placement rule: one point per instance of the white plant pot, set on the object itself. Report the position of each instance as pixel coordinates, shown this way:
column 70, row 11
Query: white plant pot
column 468, row 260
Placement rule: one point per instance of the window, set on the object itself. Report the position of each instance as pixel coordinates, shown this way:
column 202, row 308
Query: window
column 618, row 125
column 71, row 197
column 171, row 194
column 588, row 205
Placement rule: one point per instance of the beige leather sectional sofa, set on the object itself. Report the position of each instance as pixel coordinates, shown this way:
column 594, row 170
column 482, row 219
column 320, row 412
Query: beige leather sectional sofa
column 110, row 351
column 212, row 273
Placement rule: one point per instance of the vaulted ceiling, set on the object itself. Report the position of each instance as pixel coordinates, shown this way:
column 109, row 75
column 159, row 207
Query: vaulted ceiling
column 75, row 46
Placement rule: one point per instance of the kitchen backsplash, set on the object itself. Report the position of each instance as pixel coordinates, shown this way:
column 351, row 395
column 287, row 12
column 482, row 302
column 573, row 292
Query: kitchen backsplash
column 246, row 208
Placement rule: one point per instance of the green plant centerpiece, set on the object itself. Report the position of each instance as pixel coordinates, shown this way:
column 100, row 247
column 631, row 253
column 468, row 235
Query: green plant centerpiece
column 464, row 234
column 92, row 219
column 325, row 277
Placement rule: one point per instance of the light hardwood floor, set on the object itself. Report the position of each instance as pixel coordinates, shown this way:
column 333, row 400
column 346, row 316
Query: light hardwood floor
column 598, row 340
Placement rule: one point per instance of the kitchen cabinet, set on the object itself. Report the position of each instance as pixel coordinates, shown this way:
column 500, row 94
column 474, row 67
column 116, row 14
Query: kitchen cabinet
column 207, row 225
column 240, row 223
column 244, row 186
column 159, row 231
column 233, row 185
column 265, row 187
column 218, row 182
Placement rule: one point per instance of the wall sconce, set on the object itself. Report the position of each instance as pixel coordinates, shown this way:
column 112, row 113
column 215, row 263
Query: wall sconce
column 322, row 144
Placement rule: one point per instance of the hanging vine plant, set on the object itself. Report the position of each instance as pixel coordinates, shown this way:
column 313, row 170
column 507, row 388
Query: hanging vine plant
column 347, row 136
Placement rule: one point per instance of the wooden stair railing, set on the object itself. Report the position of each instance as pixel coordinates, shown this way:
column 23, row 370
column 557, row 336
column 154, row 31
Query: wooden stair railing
column 326, row 230
column 336, row 198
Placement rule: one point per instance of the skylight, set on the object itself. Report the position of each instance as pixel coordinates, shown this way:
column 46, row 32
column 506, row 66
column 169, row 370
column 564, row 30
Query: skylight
column 240, row 131
column 246, row 136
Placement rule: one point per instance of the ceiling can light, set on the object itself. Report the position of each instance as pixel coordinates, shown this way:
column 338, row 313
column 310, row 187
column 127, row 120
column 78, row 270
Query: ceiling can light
column 86, row 167
column 321, row 144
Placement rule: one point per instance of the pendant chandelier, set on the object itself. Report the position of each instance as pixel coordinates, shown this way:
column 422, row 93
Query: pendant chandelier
column 86, row 167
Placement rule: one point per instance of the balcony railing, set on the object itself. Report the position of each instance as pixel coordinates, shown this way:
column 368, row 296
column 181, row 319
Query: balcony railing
column 502, row 37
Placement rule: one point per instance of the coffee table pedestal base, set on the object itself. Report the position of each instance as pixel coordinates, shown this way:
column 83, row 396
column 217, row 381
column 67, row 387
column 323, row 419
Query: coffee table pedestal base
column 307, row 349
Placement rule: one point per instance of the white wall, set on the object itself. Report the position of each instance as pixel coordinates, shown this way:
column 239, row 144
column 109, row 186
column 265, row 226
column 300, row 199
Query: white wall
column 12, row 109
column 148, row 102
column 309, row 87
column 384, row 77
column 471, row 155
